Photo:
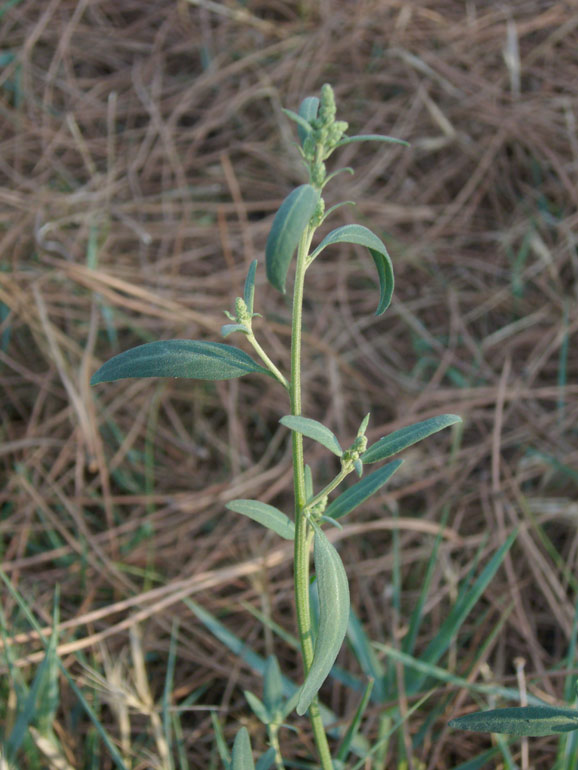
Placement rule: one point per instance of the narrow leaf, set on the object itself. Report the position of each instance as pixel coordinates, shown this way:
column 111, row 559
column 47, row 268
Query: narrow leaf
column 242, row 756
column 258, row 707
column 463, row 606
column 315, row 430
column 371, row 138
column 249, row 291
column 404, row 437
column 288, row 227
column 273, row 686
column 353, row 728
column 266, row 760
column 179, row 358
column 333, row 592
column 304, row 126
column 265, row 514
column 308, row 111
column 227, row 329
column 364, row 237
column 308, row 483
column 531, row 721
column 360, row 492
column 369, row 663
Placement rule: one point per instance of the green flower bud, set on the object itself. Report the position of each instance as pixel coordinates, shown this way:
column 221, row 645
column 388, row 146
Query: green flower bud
column 327, row 107
column 318, row 174
column 242, row 312
column 317, row 217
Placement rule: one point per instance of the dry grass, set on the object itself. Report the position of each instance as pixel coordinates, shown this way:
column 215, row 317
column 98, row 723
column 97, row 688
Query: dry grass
column 143, row 154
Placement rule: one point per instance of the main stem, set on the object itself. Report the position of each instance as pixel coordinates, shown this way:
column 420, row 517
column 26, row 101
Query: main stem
column 302, row 529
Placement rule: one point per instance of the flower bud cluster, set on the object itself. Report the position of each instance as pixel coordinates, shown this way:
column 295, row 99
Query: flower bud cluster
column 317, row 510
column 351, row 455
column 325, row 135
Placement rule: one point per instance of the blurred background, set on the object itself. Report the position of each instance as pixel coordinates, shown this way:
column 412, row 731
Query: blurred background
column 143, row 155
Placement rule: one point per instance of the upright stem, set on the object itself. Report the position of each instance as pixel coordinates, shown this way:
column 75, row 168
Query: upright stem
column 302, row 533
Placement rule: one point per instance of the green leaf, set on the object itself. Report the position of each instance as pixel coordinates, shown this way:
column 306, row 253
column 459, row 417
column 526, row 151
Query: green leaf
column 308, row 483
column 364, row 237
column 315, row 430
column 265, row 514
column 258, row 707
column 333, row 592
column 371, row 138
column 227, row 329
column 273, row 686
column 304, row 128
column 242, row 756
column 249, row 290
column 466, row 601
column 266, row 760
column 368, row 661
column 531, row 721
column 179, row 358
column 360, row 492
column 288, row 227
column 353, row 728
column 404, row 437
column 38, row 703
column 308, row 111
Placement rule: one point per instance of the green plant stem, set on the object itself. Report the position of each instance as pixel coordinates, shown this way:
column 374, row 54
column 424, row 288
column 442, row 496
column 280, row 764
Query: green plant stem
column 343, row 473
column 274, row 741
column 303, row 533
column 267, row 361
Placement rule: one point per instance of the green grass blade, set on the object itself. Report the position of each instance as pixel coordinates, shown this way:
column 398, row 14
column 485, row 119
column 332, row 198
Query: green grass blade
column 408, row 642
column 220, row 741
column 461, row 610
column 429, row 670
column 353, row 728
column 168, row 691
column 368, row 661
column 111, row 748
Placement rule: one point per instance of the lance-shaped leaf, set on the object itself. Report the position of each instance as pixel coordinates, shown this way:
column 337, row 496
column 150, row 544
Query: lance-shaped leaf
column 273, row 686
column 242, row 756
column 308, row 111
column 179, row 358
column 266, row 760
column 531, row 721
column 288, row 227
column 371, row 138
column 361, row 491
column 265, row 514
column 249, row 290
column 404, row 437
column 315, row 430
column 333, row 592
column 364, row 237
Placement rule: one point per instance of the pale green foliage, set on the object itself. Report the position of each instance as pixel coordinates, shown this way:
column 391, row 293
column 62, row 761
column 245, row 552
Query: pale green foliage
column 292, row 233
column 333, row 591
